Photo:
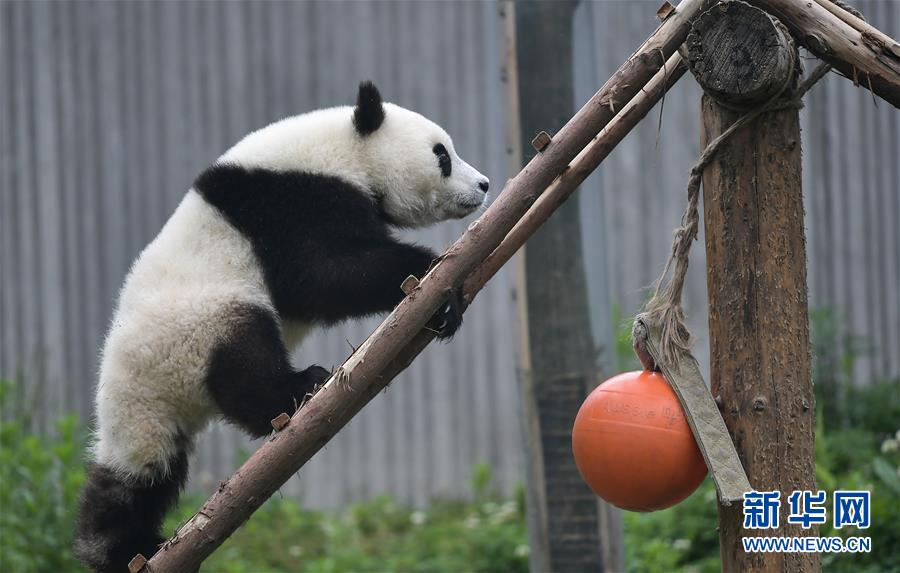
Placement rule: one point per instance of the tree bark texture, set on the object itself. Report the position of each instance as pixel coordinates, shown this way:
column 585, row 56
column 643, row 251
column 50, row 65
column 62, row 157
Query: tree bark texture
column 740, row 54
column 758, row 320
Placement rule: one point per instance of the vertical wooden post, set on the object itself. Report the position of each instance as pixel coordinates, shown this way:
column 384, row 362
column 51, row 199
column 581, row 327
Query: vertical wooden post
column 756, row 260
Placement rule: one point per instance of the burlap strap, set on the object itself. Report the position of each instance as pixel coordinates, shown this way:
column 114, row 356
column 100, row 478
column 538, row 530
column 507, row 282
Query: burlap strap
column 662, row 340
column 700, row 410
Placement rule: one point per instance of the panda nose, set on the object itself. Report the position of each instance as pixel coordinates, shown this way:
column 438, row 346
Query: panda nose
column 484, row 185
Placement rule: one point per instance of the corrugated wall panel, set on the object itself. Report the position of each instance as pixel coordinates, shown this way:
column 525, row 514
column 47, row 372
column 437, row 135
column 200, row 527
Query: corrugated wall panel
column 109, row 109
column 643, row 181
column 851, row 185
column 852, row 194
column 113, row 107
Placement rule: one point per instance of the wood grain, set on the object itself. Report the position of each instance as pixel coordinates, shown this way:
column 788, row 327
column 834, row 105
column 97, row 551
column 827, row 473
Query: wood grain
column 758, row 320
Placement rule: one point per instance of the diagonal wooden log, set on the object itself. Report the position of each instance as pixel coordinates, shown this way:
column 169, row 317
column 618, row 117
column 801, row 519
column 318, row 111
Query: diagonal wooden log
column 400, row 338
column 582, row 166
column 856, row 49
column 555, row 195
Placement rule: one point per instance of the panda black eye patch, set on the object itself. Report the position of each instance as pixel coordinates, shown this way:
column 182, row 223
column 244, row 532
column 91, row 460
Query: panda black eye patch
column 443, row 159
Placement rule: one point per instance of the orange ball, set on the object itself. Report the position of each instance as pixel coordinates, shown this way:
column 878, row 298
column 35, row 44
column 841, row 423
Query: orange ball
column 633, row 445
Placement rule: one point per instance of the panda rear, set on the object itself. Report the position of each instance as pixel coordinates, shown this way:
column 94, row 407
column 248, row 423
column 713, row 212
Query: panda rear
column 289, row 230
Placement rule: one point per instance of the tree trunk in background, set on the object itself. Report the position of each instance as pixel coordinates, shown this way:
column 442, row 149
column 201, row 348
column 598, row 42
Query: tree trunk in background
column 564, row 516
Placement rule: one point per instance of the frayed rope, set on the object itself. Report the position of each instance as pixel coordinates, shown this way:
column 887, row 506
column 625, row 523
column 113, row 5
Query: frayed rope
column 664, row 309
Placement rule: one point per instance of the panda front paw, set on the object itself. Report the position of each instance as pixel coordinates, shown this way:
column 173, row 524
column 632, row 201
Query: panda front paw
column 312, row 379
column 447, row 320
column 316, row 376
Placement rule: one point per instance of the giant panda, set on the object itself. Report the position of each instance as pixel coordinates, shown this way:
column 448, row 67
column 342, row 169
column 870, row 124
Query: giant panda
column 290, row 229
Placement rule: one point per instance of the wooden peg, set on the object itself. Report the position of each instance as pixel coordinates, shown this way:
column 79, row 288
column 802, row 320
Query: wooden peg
column 281, row 421
column 409, row 284
column 665, row 11
column 137, row 563
column 541, row 141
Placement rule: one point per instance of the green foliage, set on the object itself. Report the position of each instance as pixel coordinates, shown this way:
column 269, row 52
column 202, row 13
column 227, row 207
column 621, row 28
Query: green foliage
column 626, row 360
column 40, row 477
column 858, row 447
column 874, row 407
column 880, row 474
column 682, row 538
column 487, row 535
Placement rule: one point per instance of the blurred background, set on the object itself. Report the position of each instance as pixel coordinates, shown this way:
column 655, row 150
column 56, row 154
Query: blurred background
column 110, row 109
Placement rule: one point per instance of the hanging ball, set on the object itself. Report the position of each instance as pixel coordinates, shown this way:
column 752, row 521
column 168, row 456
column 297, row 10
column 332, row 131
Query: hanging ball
column 633, row 445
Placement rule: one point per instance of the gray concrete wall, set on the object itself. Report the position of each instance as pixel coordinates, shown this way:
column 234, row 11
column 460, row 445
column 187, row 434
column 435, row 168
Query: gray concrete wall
column 109, row 109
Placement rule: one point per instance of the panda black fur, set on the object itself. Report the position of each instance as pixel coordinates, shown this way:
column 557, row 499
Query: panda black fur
column 288, row 230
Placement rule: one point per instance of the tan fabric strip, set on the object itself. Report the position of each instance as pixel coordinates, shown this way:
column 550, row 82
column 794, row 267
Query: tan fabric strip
column 700, row 409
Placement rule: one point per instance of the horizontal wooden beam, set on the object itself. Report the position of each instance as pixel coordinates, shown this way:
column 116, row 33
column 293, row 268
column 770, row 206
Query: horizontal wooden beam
column 858, row 50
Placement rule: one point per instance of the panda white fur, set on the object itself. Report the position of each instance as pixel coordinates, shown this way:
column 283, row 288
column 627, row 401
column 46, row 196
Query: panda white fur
column 289, row 229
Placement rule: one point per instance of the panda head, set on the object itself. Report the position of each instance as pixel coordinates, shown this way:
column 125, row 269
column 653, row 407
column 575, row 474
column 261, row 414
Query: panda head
column 405, row 162
column 411, row 165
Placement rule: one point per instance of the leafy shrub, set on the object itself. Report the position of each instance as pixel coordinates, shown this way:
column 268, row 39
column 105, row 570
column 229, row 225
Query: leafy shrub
column 486, row 535
column 40, row 477
column 857, row 447
column 880, row 474
column 682, row 538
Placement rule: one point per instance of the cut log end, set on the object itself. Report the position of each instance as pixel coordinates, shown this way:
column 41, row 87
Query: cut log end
column 740, row 54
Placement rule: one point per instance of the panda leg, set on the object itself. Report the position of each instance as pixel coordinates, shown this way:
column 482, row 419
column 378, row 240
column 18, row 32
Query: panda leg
column 120, row 514
column 250, row 376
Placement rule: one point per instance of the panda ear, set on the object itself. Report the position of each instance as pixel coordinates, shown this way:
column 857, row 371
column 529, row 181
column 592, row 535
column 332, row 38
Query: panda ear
column 369, row 113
